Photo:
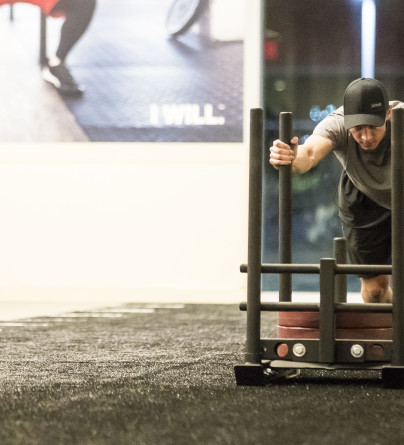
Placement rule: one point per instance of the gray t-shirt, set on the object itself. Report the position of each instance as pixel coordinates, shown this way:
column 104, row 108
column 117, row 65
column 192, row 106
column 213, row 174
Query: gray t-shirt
column 369, row 171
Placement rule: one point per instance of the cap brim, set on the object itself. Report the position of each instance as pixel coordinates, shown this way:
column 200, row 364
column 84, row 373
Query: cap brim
column 354, row 120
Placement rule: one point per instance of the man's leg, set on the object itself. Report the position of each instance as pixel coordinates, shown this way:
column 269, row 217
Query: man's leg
column 377, row 289
column 367, row 228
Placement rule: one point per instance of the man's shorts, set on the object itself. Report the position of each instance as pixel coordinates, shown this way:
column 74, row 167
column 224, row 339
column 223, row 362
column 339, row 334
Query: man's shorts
column 366, row 226
column 370, row 245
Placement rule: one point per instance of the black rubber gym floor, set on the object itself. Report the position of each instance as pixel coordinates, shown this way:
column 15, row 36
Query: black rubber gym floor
column 163, row 374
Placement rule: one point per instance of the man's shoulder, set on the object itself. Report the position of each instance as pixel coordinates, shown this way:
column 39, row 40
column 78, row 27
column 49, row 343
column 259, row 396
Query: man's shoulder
column 339, row 111
column 334, row 120
column 332, row 128
column 396, row 104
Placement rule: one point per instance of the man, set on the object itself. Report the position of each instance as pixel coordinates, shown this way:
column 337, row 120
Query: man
column 359, row 135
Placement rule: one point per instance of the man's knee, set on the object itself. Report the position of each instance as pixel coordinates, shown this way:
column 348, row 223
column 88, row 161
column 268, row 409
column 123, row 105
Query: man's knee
column 376, row 290
column 374, row 295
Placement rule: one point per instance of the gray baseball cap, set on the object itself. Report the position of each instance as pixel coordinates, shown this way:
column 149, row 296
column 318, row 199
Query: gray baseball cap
column 365, row 103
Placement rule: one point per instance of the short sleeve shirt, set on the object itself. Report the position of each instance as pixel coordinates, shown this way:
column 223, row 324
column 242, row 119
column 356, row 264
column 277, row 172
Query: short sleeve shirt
column 369, row 171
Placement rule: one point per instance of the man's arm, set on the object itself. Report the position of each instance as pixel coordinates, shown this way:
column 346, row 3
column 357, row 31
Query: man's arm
column 302, row 157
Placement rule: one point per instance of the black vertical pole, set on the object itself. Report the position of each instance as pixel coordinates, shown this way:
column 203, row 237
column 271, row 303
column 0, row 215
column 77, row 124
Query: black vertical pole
column 327, row 311
column 397, row 195
column 42, row 40
column 340, row 255
column 253, row 354
column 285, row 210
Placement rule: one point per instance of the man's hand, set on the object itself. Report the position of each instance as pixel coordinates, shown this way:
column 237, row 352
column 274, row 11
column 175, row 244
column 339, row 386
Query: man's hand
column 283, row 154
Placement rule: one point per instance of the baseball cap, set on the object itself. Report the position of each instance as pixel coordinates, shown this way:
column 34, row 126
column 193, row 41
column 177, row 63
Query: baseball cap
column 365, row 103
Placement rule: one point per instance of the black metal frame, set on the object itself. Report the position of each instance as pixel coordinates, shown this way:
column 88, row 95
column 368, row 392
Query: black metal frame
column 263, row 362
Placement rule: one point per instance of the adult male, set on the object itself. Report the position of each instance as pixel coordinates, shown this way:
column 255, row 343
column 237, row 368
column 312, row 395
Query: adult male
column 359, row 135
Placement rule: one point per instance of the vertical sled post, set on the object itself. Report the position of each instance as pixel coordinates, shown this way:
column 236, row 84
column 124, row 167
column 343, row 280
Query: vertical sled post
column 285, row 210
column 393, row 377
column 340, row 255
column 397, row 195
column 252, row 354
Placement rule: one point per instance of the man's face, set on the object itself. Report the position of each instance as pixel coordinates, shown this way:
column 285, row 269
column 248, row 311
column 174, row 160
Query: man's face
column 368, row 136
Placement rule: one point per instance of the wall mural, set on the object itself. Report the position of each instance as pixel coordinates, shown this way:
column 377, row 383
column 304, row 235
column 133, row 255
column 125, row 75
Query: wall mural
column 147, row 70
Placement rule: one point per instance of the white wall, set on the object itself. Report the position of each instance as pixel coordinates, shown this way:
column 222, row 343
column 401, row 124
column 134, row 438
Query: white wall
column 144, row 219
column 126, row 222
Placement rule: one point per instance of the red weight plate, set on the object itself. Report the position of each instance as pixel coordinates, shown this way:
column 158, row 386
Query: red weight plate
column 354, row 334
column 344, row 320
column 299, row 319
column 371, row 320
